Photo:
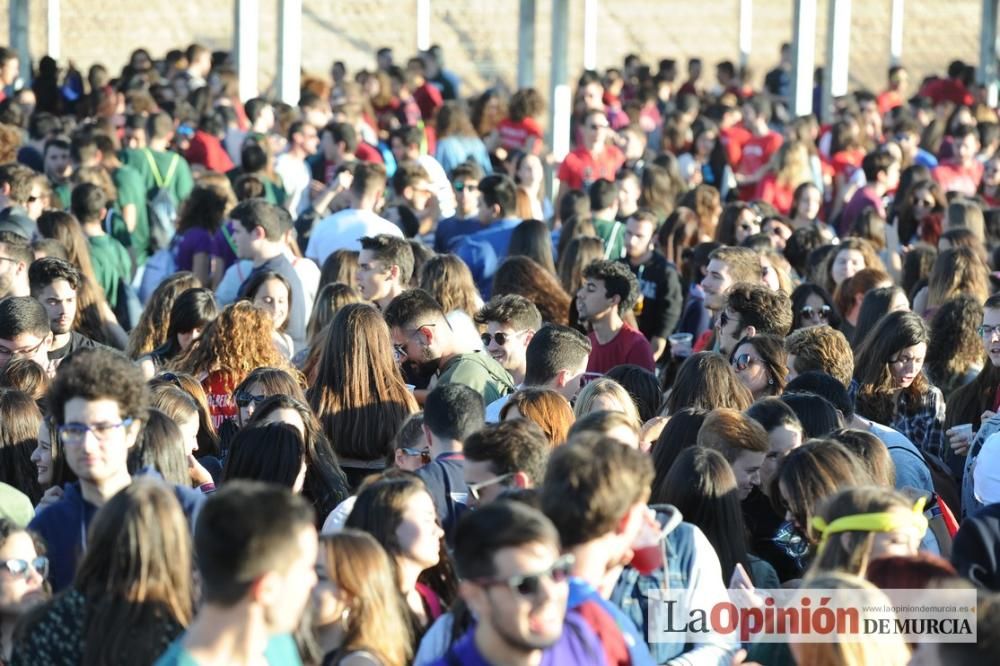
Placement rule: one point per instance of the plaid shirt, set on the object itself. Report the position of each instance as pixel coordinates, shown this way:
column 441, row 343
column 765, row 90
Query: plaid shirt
column 921, row 419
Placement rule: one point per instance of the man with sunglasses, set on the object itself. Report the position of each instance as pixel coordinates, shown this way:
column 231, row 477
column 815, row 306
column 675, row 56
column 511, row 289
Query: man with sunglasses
column 515, row 583
column 504, row 456
column 511, row 322
column 465, row 180
column 751, row 309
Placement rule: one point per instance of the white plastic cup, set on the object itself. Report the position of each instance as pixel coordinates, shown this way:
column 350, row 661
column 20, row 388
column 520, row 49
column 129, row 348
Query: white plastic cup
column 680, row 344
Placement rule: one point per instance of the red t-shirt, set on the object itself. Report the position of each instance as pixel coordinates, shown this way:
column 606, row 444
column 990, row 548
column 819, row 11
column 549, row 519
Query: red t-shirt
column 368, row 153
column 579, row 169
column 629, row 346
column 889, row 100
column 429, row 99
column 757, row 152
column 515, row 135
column 733, row 138
column 219, row 387
column 779, row 196
column 207, row 151
column 956, row 178
column 846, row 161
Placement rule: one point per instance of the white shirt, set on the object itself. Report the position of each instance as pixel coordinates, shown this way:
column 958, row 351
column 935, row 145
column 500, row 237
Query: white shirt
column 343, row 231
column 295, row 177
column 440, row 184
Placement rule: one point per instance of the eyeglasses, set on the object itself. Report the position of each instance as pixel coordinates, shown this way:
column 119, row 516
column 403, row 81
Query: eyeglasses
column 471, row 187
column 474, row 488
column 243, row 399
column 72, row 434
column 988, row 331
column 499, row 336
column 529, row 585
column 14, row 353
column 808, row 312
column 744, row 361
column 425, row 454
column 20, row 568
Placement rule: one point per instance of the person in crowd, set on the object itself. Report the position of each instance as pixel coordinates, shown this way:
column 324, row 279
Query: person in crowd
column 271, row 292
column 457, row 142
column 812, row 305
column 20, row 421
column 200, row 218
column 385, row 268
column 759, row 362
column 54, row 284
column 706, row 380
column 851, row 256
column 849, row 296
column 750, row 310
column 760, row 146
column 483, row 250
column 955, row 352
column 274, row 453
column 821, row 348
column 511, row 322
column 449, row 281
column 597, row 157
column 523, row 276
column 605, row 394
column 608, row 292
column 191, row 313
column 16, row 257
column 875, row 304
column 881, row 172
column 23, row 587
column 547, row 408
column 465, row 179
column 111, row 261
column 150, row 332
column 25, row 331
column 741, row 440
column 502, row 457
column 257, row 571
column 726, row 267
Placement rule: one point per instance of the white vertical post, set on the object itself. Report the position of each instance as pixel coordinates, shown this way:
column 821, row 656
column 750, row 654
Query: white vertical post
column 560, row 106
column 838, row 45
column 746, row 31
column 803, row 57
column 54, row 29
column 526, row 44
column 19, row 12
column 988, row 51
column 590, row 34
column 290, row 51
column 247, row 45
column 423, row 25
column 896, row 33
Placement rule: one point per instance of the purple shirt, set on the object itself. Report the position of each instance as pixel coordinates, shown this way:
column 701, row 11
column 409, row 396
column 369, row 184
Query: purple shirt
column 866, row 197
column 190, row 243
column 221, row 247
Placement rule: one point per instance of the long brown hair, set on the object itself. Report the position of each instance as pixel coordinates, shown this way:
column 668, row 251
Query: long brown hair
column 449, row 280
column 377, row 618
column 359, row 396
column 151, row 331
column 968, row 403
column 136, row 575
column 706, row 380
column 957, row 271
column 894, row 332
column 580, row 252
column 524, row 277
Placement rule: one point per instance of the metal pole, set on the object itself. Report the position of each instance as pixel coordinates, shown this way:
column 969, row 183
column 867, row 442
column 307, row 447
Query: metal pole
column 746, row 31
column 423, row 25
column 803, row 57
column 526, row 44
column 896, row 33
column 19, row 37
column 290, row 51
column 838, row 44
column 54, row 29
column 247, row 45
column 988, row 51
column 590, row 34
column 561, row 105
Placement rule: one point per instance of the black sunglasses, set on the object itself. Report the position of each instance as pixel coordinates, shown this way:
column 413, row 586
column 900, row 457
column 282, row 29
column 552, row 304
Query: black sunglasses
column 529, row 585
column 499, row 336
column 243, row 399
column 808, row 312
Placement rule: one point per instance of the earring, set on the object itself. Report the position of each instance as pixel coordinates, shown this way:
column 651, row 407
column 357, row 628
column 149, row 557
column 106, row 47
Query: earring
column 770, row 381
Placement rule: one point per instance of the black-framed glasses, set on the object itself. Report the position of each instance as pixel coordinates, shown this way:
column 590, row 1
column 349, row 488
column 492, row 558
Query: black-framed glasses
column 475, row 488
column 809, row 312
column 20, row 568
column 528, row 585
column 425, row 454
column 743, row 361
column 72, row 434
column 244, row 398
column 499, row 336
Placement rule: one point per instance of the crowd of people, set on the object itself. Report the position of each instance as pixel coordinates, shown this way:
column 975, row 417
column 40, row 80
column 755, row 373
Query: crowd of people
column 351, row 383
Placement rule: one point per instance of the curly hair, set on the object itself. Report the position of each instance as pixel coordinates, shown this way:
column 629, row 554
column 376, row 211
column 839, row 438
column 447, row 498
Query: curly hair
column 151, row 331
column 236, row 342
column 618, row 281
column 821, row 348
column 96, row 374
column 206, row 206
column 955, row 346
column 525, row 277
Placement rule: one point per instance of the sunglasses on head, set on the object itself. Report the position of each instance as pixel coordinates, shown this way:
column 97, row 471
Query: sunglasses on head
column 808, row 312
column 243, row 399
column 529, row 585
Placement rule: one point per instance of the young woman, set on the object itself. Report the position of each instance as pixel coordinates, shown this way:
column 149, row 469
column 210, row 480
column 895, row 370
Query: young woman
column 399, row 512
column 449, row 280
column 532, row 239
column 708, row 159
column 20, row 420
column 159, row 447
column 340, row 267
column 190, row 314
column 877, row 303
column 605, row 395
column 851, row 292
column 330, row 298
column 22, row 580
column 701, row 484
column 274, row 453
column 208, row 437
column 680, row 433
column 790, row 169
column 261, row 384
column 812, row 305
column 892, row 388
column 529, row 174
column 807, row 203
column 738, row 222
column 546, row 407
column 920, row 212
column 955, row 353
column 871, row 451
column 851, row 256
column 132, row 594
column 151, row 331
column 580, row 252
column 706, row 380
column 759, row 362
column 184, row 411
column 360, row 618
column 272, row 292
column 525, row 277
column 457, row 141
column 198, row 221
column 359, row 395
column 956, row 271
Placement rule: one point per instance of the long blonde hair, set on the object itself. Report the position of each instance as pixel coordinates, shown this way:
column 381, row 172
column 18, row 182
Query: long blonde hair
column 609, row 387
column 791, row 164
column 376, row 618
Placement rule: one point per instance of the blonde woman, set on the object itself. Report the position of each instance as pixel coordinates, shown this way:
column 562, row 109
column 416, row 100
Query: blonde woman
column 605, row 395
column 789, row 169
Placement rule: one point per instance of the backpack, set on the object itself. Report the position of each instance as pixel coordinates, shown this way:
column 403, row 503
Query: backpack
column 127, row 308
column 158, row 268
column 160, row 206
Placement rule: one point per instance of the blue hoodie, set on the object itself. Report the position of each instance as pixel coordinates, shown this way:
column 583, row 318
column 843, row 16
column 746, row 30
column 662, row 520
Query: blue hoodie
column 64, row 525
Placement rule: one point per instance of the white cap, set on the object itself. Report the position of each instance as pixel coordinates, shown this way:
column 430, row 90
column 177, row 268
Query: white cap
column 986, row 473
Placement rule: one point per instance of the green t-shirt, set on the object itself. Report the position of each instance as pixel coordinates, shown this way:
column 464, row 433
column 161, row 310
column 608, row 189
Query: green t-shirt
column 132, row 191
column 613, row 235
column 179, row 185
column 480, row 372
column 64, row 192
column 111, row 265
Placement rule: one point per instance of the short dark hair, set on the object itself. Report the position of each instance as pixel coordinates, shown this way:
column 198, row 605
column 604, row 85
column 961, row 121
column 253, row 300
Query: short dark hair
column 511, row 309
column 17, row 246
column 159, row 125
column 87, row 201
column 518, row 445
column 874, row 163
column 60, row 142
column 409, row 135
column 552, row 349
column 391, row 251
column 454, row 411
column 618, row 281
column 772, row 413
column 770, row 312
column 502, row 524
column 408, row 174
column 410, row 306
column 761, row 106
column 467, row 171
column 273, row 452
column 254, row 107
column 369, row 178
column 97, row 373
column 42, row 124
column 20, row 315
column 45, row 271
column 234, row 547
column 342, row 133
column 499, row 190
column 825, row 386
column 83, row 147
column 254, row 213
column 603, row 194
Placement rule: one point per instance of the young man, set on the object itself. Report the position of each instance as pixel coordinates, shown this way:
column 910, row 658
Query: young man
column 882, row 175
column 452, row 413
column 465, row 180
column 415, row 209
column 501, row 548
column 511, row 322
column 293, row 169
column 258, row 569
column 755, row 156
column 598, row 157
column 112, row 263
column 751, row 309
column 421, row 334
column 15, row 257
column 556, row 358
column 604, row 211
column 502, row 456
column 342, row 230
column 24, row 331
column 337, row 144
column 660, row 296
column 741, row 440
column 483, row 250
column 17, row 189
column 58, row 166
column 407, row 146
column 385, row 267
column 128, row 182
column 964, row 172
column 258, row 233
column 609, row 289
column 98, row 400
column 54, row 283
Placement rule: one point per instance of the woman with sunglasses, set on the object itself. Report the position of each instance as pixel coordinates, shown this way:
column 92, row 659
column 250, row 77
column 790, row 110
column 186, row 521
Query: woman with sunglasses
column 261, row 384
column 812, row 305
column 23, row 567
column 759, row 362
